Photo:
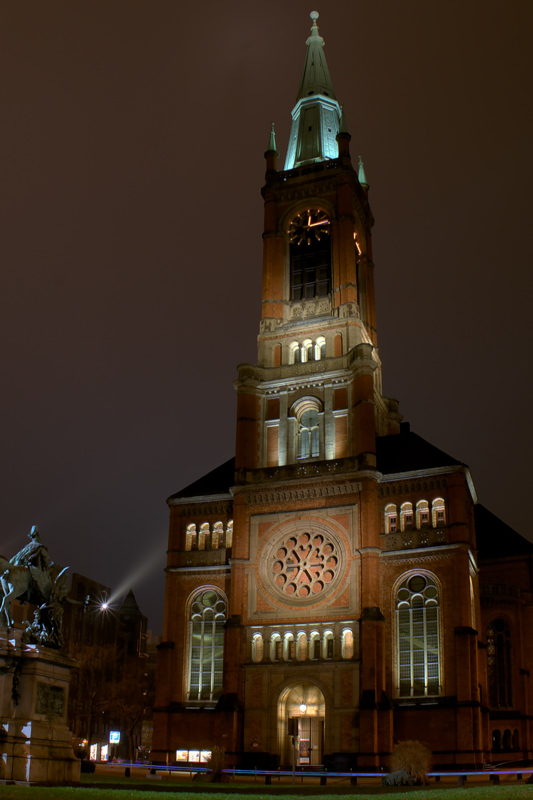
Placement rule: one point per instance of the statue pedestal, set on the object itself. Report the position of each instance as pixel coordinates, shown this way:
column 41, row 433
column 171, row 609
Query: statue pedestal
column 35, row 744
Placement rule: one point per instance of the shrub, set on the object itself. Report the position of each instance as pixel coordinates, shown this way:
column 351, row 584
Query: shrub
column 412, row 758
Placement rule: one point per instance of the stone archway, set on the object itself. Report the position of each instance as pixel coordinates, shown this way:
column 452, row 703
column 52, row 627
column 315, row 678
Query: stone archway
column 304, row 704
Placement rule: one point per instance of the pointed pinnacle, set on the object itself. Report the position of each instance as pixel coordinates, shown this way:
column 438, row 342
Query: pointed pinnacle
column 361, row 175
column 272, row 139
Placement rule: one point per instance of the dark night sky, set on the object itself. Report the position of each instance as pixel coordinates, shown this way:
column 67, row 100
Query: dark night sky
column 132, row 141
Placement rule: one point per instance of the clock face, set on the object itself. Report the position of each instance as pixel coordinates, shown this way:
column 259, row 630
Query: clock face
column 309, row 226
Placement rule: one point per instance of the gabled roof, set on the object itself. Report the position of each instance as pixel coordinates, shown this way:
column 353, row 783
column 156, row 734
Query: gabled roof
column 409, row 452
column 495, row 539
column 218, row 481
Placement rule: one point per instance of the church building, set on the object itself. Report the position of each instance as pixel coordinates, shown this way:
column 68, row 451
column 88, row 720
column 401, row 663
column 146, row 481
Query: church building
column 335, row 581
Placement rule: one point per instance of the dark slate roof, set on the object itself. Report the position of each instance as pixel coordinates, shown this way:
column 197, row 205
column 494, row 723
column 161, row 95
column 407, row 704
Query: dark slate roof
column 495, row 539
column 408, row 452
column 402, row 452
column 218, row 481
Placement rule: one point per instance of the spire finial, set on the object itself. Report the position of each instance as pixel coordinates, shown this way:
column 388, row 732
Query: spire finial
column 361, row 174
column 314, row 29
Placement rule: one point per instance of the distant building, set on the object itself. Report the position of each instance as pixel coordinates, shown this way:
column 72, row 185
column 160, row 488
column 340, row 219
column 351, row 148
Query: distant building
column 337, row 579
column 111, row 648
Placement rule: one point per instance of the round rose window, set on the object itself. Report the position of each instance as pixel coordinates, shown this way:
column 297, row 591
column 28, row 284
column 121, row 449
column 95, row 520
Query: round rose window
column 304, row 564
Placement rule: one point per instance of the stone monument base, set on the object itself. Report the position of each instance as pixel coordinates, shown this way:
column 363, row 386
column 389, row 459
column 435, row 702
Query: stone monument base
column 35, row 742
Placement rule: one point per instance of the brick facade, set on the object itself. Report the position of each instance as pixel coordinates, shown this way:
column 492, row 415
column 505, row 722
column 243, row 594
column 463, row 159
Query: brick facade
column 343, row 524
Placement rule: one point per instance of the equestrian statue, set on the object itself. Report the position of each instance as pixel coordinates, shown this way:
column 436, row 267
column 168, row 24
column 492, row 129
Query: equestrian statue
column 31, row 577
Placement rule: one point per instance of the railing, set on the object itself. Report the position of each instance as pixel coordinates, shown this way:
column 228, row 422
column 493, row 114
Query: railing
column 322, row 775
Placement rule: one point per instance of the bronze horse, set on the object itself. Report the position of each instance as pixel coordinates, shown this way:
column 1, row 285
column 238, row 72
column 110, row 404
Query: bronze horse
column 27, row 584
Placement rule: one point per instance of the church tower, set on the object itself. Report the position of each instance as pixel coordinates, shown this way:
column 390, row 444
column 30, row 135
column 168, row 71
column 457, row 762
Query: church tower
column 322, row 586
column 306, row 545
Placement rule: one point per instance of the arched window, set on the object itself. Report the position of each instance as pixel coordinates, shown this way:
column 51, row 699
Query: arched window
column 308, row 435
column 308, row 353
column 217, row 535
column 206, row 645
column 294, row 353
column 301, row 646
column 289, row 647
column 257, row 648
column 391, row 518
column 496, row 739
column 203, row 538
column 437, row 512
column 275, row 647
column 406, row 516
column 516, row 740
column 190, row 537
column 347, row 643
column 417, row 626
column 229, row 535
column 320, row 348
column 422, row 514
column 507, row 742
column 499, row 664
column 315, row 645
column 329, row 643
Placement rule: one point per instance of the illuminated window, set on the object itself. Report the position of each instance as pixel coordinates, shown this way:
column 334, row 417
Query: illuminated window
column 308, row 350
column 499, row 664
column 289, row 647
column 275, row 647
column 294, row 353
column 301, row 650
column 257, row 648
column 347, row 643
column 437, row 512
column 422, row 514
column 206, row 646
column 391, row 518
column 308, row 437
column 307, row 414
column 406, row 516
column 320, row 348
column 328, row 644
column 229, row 534
column 217, row 535
column 315, row 645
column 417, row 636
column 203, row 536
column 190, row 537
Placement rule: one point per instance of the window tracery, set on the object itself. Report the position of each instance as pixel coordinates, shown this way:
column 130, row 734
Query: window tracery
column 418, row 636
column 206, row 645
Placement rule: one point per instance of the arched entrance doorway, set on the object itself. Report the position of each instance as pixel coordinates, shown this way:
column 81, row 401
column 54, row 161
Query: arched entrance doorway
column 302, row 709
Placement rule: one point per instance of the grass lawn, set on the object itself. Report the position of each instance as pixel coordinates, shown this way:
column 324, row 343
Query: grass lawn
column 507, row 792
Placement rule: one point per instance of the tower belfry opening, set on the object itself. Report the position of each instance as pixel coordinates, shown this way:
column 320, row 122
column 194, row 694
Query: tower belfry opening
column 329, row 573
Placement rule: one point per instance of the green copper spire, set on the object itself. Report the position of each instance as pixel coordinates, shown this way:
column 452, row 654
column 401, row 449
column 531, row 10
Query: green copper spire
column 315, row 79
column 316, row 116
